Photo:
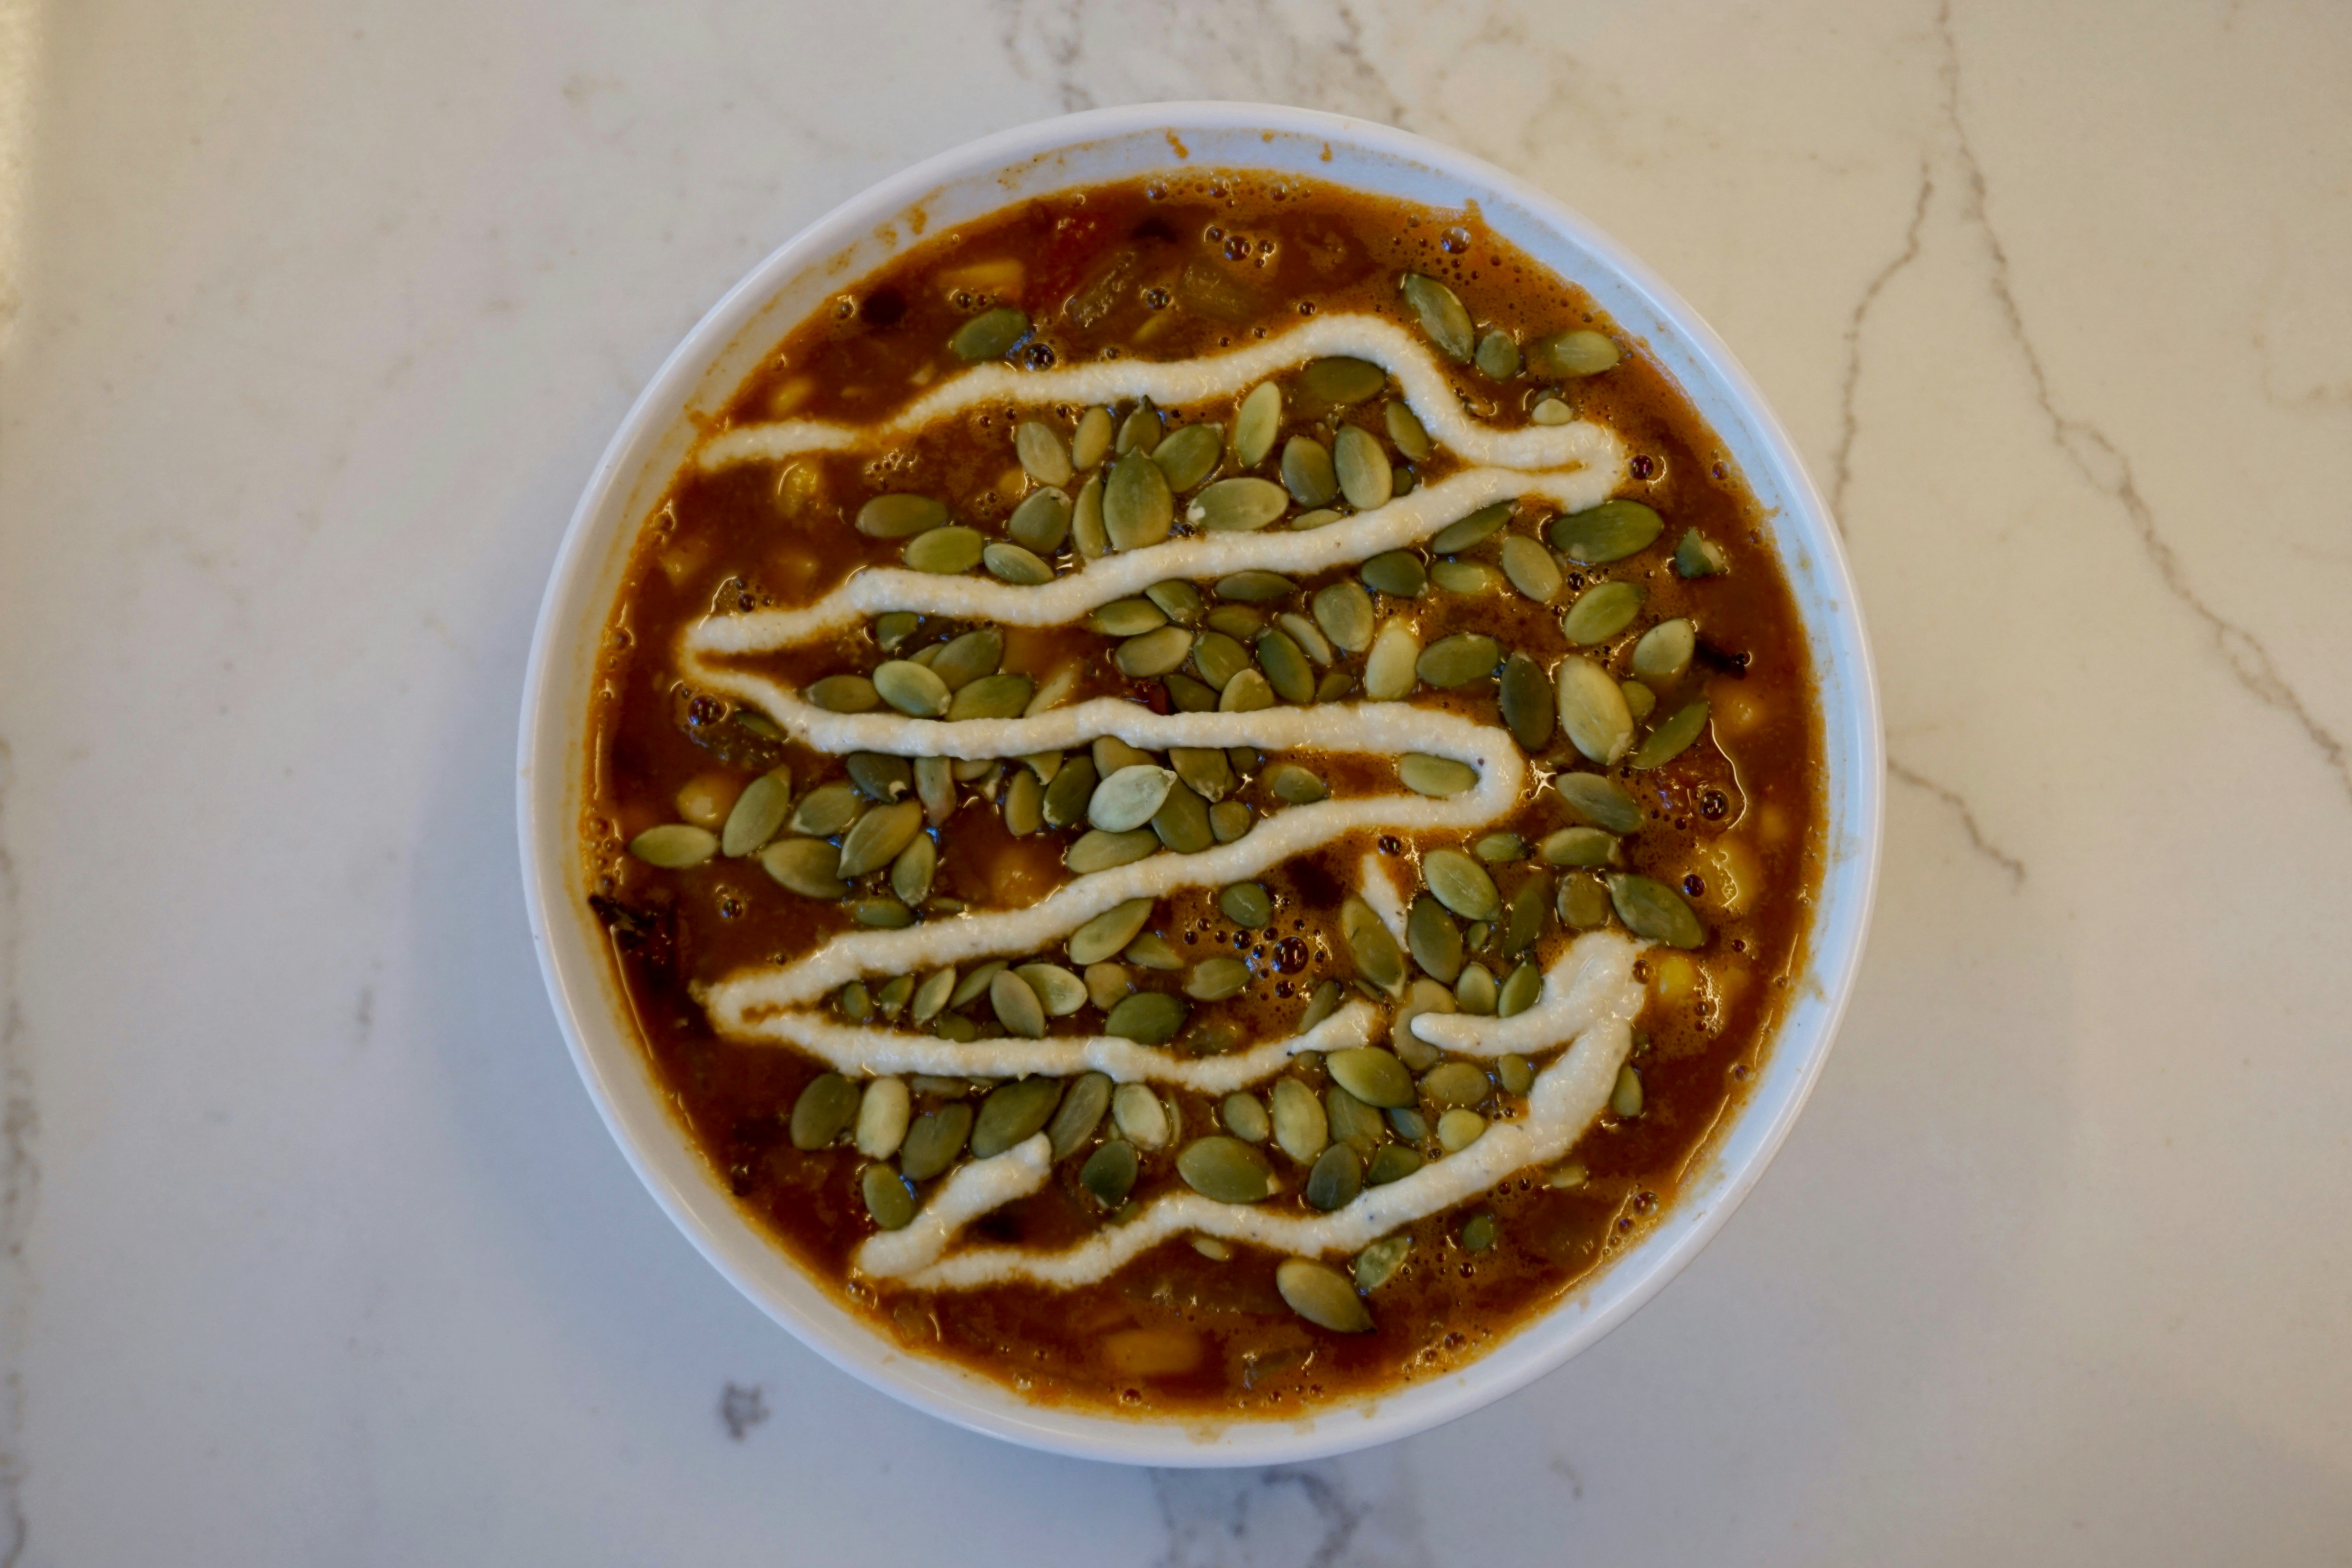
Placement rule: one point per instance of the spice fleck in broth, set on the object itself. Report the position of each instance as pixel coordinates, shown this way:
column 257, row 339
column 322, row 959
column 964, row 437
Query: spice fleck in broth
column 1205, row 791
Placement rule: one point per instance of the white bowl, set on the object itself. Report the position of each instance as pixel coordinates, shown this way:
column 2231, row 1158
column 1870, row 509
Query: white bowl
column 834, row 253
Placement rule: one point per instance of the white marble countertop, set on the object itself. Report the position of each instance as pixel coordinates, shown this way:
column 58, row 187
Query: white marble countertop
column 318, row 313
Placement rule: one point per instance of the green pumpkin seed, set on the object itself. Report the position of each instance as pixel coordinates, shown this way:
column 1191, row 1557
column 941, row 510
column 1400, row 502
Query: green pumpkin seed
column 911, row 687
column 1138, row 509
column 1024, row 804
column 1406, row 430
column 1640, row 700
column 1531, row 569
column 1180, row 600
column 992, row 697
column 1017, row 1005
column 1480, row 1232
column 1372, row 1075
column 882, row 1117
column 1377, row 956
column 968, row 657
column 1396, row 572
column 843, row 694
column 933, row 994
column 1186, row 695
column 1664, row 650
column 804, row 865
column 1092, row 440
column 900, row 515
column 1238, row 622
column 1436, row 777
column 1460, row 884
column 1625, row 1099
column 1109, row 1173
column 1457, row 660
column 1571, row 353
column 1139, row 431
column 888, row 914
column 1353, row 1122
column 825, row 811
column 911, row 873
column 1247, row 692
column 1377, row 1264
column 1013, row 1113
column 1388, row 669
column 1321, row 1005
column 1362, row 470
column 1043, row 454
column 1307, row 473
column 889, row 1200
column 1142, row 1119
column 992, row 334
column 1066, row 796
column 1081, row 1111
column 1458, row 1129
column 1247, row 905
column 1099, row 851
column 1340, row 382
column 1524, row 695
column 1583, row 903
column 946, row 551
column 1592, row 710
column 1610, row 532
column 1126, row 618
column 878, row 837
column 1237, row 506
column 1214, row 979
column 1254, row 423
column 1323, row 1295
column 1321, row 516
column 1041, row 521
column 1442, row 316
column 1517, row 993
column 934, row 1140
column 1598, row 801
column 1110, row 931
column 1225, row 1170
column 857, row 1004
column 1255, row 587
column 1586, row 847
column 1295, row 784
column 1285, row 666
column 1306, row 634
column 1465, row 577
column 1153, row 653
column 1335, row 684
column 1186, row 458
column 1434, row 940
column 894, row 627
column 1219, row 659
column 1087, row 530
column 1496, row 848
column 823, row 1111
column 1391, row 1162
column 1148, row 1018
column 1128, row 798
column 1455, row 1083
column 1513, row 1071
column 1498, row 355
column 1299, row 1127
column 1656, row 912
column 1699, row 556
column 1523, row 913
column 1601, row 612
column 879, row 777
column 1012, row 563
column 1182, row 822
column 1244, row 1117
column 1204, row 769
column 1671, row 739
column 1551, row 411
column 673, row 845
column 1460, row 535
column 1058, row 992
column 1344, row 613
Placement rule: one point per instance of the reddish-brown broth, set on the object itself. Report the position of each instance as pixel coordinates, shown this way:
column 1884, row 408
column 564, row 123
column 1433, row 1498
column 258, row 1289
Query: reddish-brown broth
column 757, row 535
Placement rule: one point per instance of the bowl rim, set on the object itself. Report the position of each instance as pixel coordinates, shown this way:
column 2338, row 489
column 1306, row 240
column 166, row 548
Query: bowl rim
column 620, row 1084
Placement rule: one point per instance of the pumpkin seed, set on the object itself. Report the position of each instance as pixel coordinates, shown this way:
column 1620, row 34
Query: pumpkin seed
column 1699, row 556
column 1228, row 820
column 1517, row 994
column 1254, row 423
column 758, row 814
column 1424, row 995
column 1307, row 471
column 889, row 1200
column 1109, row 1172
column 916, row 865
column 900, row 515
column 1040, row 523
column 1625, row 1099
column 1601, row 612
column 1480, row 1232
column 1568, row 1178
column 1457, row 660
column 1374, row 950
column 1204, row 769
column 882, row 1117
column 1598, row 801
column 934, row 1140
column 1652, row 909
column 1178, row 598
column 1081, row 1111
column 1586, row 847
column 825, row 811
column 1285, row 666
column 1434, row 940
column 1460, row 884
column 1017, row 1005
column 894, row 627
column 1139, row 1116
column 1110, row 753
column 1129, row 797
column 1592, row 710
column 1247, row 692
column 1341, row 382
column 1322, row 1295
column 1219, row 659
column 1353, row 1122
column 843, row 694
column 992, row 334
column 1583, row 903
column 1551, row 411
column 1345, row 612
column 1372, row 1075
column 1365, row 475
column 1396, row 572
column 1106, row 983
column 1442, row 316
column 1525, row 698
column 1294, row 783
column 1496, row 848
column 1058, row 992
column 1664, row 650
column 911, row 687
column 1148, row 1018
column 1087, row 530
column 1182, row 822
column 804, row 865
column 888, row 914
column 857, row 1004
column 1610, row 532
column 1186, row 458
column 824, row 1110
column 1335, row 684
column 1455, row 1083
column 932, row 994
column 1391, row 1162
column 1138, row 509
column 1531, row 569
column 673, row 845
column 1097, row 850
column 1321, row 1005
column 1225, row 1170
column 1024, row 804
column 1126, row 618
column 1013, row 1112
column 1238, row 622
column 1043, row 453
column 974, row 985
column 1465, row 577
column 1461, row 534
column 1299, row 1128
column 966, row 658
column 992, row 697
column 1458, row 1129
column 1244, row 1116
column 1640, row 700
column 1255, row 587
column 1388, row 667
column 1214, row 979
column 1247, row 905
column 946, row 551
column 1237, row 506
column 1091, row 441
column 1067, row 797
column 1498, row 355
column 1139, row 431
column 1153, row 653
column 1523, row 914
column 1321, row 517
column 1306, row 634
column 1582, row 352
column 1377, row 1264
column 1671, row 739
column 1436, row 777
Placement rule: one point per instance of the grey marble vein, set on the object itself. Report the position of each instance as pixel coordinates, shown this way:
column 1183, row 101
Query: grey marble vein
column 1244, row 1519
column 1841, row 466
column 20, row 1183
column 1951, row 797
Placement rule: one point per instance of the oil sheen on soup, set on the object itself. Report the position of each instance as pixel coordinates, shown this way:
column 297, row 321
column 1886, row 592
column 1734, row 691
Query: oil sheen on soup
column 1205, row 790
